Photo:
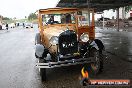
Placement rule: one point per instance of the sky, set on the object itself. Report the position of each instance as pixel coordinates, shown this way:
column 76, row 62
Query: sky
column 22, row 8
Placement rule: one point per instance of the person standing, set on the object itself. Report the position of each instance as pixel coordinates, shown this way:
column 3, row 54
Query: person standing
column 6, row 26
column 51, row 20
column 0, row 27
column 23, row 25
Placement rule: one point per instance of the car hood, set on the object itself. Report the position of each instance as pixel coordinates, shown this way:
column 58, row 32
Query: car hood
column 54, row 31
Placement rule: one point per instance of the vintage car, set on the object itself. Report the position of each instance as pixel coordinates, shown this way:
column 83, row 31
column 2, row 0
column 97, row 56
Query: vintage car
column 12, row 25
column 64, row 40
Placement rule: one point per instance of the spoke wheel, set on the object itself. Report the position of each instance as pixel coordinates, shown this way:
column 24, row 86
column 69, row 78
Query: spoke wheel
column 96, row 66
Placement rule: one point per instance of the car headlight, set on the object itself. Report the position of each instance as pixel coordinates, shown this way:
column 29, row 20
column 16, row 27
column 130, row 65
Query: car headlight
column 54, row 40
column 84, row 37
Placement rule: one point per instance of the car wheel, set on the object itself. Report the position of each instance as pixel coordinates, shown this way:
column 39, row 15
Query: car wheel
column 42, row 71
column 97, row 66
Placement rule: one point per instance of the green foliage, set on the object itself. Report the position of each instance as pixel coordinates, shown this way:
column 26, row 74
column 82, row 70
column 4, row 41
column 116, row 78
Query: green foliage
column 32, row 16
column 5, row 18
column 128, row 8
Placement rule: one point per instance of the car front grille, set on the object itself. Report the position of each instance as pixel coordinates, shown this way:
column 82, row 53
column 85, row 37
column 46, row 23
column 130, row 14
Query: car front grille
column 68, row 42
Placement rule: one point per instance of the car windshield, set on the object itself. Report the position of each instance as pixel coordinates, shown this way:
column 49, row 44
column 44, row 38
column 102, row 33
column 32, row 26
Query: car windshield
column 58, row 19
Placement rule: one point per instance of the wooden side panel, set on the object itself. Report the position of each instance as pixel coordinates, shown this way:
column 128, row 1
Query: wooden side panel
column 87, row 29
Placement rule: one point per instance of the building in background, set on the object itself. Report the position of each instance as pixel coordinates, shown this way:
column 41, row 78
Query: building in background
column 112, row 14
column 0, row 20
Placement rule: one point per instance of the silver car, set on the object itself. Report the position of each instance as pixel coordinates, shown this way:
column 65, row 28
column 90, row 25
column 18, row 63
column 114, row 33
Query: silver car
column 28, row 25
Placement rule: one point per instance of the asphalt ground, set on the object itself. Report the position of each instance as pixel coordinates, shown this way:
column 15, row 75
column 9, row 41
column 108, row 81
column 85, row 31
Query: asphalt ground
column 17, row 60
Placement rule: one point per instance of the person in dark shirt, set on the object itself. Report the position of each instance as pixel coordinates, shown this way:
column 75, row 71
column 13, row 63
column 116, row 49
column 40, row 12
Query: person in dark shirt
column 68, row 18
column 23, row 25
column 51, row 20
column 6, row 26
column 0, row 27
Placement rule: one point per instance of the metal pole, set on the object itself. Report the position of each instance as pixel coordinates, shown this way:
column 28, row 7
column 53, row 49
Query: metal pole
column 88, row 13
column 103, row 20
column 117, row 19
column 123, row 13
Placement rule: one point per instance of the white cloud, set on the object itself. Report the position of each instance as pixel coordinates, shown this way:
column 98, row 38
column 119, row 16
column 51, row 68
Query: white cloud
column 22, row 8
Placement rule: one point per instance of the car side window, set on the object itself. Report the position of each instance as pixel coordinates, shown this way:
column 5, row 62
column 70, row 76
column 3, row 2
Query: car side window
column 50, row 19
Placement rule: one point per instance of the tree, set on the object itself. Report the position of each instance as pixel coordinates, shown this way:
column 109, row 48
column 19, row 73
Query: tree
column 128, row 8
column 32, row 16
column 5, row 18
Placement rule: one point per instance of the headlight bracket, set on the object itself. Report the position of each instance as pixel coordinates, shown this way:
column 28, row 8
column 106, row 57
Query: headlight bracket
column 54, row 40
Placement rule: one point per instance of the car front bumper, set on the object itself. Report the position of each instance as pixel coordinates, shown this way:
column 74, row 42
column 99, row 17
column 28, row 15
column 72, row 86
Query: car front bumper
column 65, row 63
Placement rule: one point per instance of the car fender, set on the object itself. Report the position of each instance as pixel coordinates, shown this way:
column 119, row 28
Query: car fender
column 39, row 50
column 94, row 45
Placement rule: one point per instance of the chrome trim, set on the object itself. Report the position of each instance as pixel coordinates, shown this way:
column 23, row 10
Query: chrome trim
column 65, row 63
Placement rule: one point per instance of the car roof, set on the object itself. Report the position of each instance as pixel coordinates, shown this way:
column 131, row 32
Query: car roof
column 57, row 10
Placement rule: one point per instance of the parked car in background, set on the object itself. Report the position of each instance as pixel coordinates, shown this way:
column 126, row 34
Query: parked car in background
column 107, row 22
column 105, row 19
column 12, row 25
column 28, row 25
